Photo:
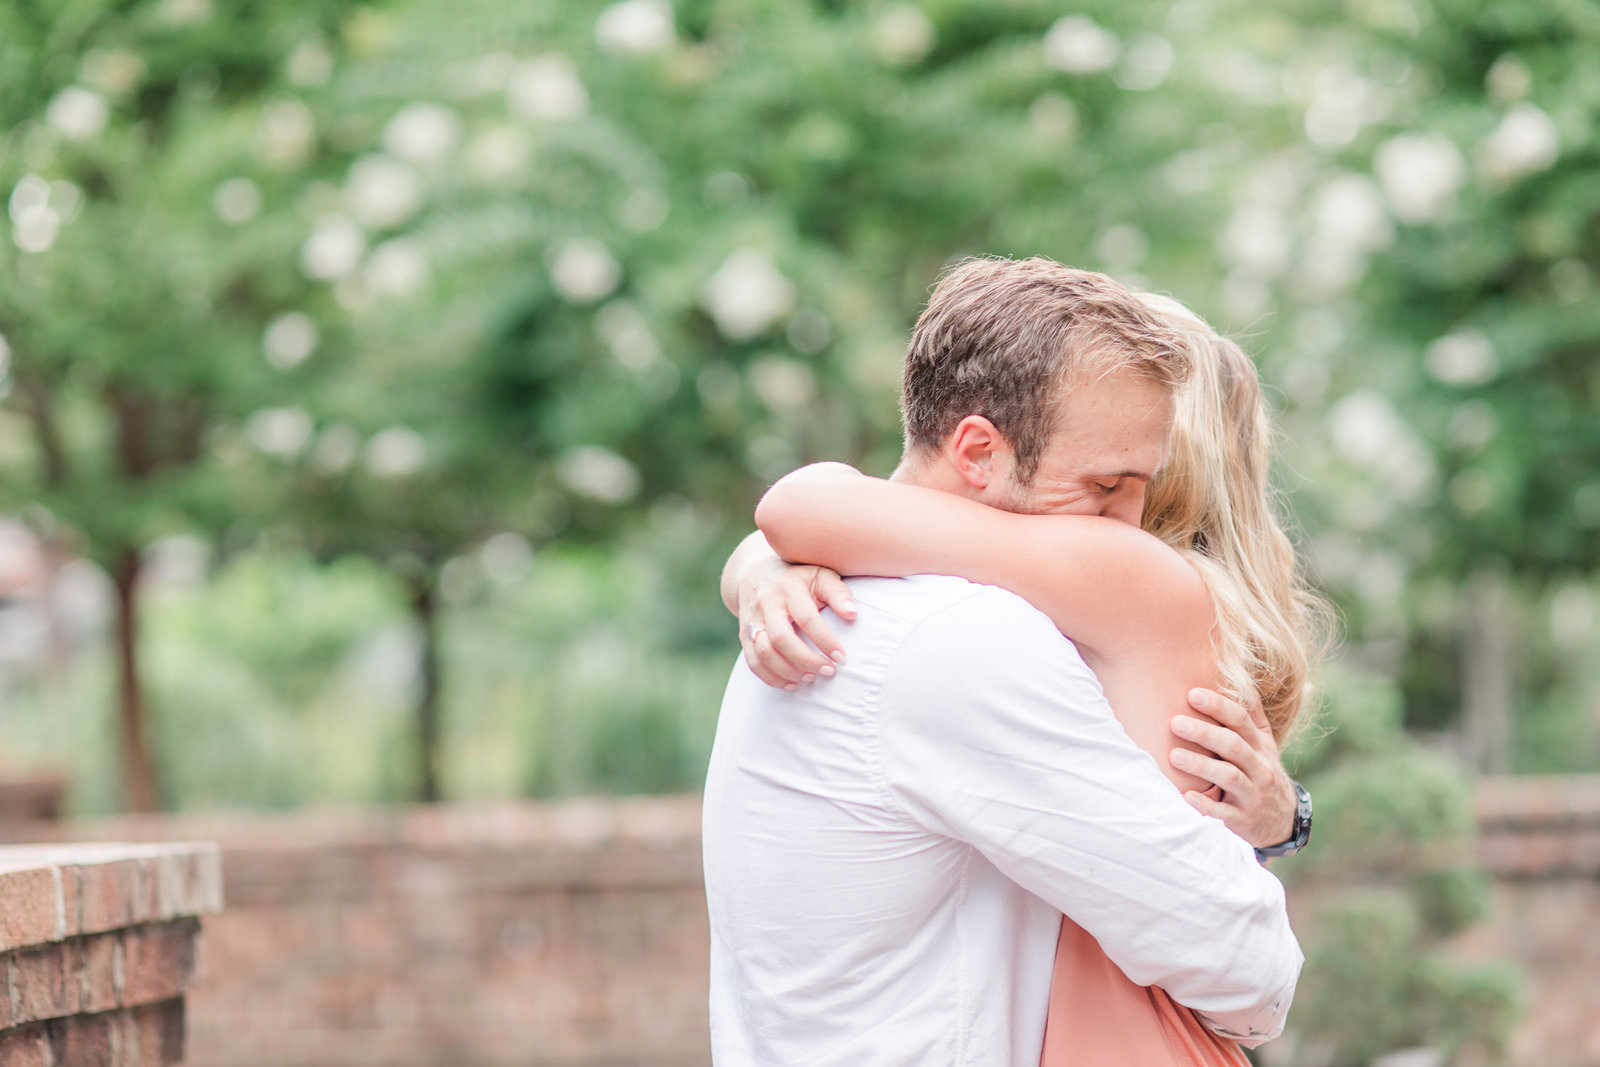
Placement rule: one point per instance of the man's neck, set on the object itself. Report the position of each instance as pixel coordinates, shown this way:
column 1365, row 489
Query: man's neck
column 930, row 472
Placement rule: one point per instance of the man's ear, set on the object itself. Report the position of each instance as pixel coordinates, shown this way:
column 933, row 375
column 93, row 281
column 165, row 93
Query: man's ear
column 977, row 452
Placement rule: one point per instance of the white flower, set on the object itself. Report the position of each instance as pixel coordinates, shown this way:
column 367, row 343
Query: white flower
column 334, row 248
column 628, row 335
column 1370, row 433
column 1347, row 215
column 499, row 153
column 1257, row 239
column 902, row 36
column 645, row 210
column 1421, row 173
column 115, row 72
column 396, row 452
column 782, row 384
column 286, row 134
column 289, row 340
column 1077, row 44
column 635, row 27
column 747, row 295
column 1341, row 104
column 77, row 113
column 236, row 200
column 183, row 12
column 1466, row 357
column 1122, row 247
column 1508, row 79
column 582, row 270
column 1526, row 141
column 1147, row 63
column 279, row 431
column 546, row 88
column 506, row 557
column 397, row 268
column 380, row 191
column 335, row 449
column 422, row 132
column 1053, row 117
column 35, row 221
column 311, row 63
column 599, row 474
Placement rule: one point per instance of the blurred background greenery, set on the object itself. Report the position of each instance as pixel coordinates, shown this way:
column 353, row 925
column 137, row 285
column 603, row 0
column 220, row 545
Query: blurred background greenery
column 384, row 383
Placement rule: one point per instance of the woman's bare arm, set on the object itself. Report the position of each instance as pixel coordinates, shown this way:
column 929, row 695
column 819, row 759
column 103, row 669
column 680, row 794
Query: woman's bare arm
column 1111, row 587
column 1140, row 615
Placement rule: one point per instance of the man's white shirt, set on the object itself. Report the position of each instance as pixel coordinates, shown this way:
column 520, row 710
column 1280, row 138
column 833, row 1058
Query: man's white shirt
column 888, row 852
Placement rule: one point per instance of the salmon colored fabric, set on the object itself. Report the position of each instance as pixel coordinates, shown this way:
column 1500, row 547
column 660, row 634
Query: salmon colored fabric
column 1099, row 1018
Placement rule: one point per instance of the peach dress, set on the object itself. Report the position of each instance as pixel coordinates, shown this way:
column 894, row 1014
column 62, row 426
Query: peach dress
column 1099, row 1018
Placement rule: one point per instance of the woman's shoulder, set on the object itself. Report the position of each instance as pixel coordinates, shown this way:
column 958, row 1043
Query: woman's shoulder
column 1144, row 577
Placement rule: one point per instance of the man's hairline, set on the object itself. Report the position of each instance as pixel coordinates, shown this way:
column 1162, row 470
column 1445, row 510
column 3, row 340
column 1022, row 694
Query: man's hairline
column 919, row 451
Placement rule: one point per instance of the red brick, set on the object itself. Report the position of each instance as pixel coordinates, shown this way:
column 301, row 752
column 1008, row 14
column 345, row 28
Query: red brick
column 111, row 895
column 156, row 1032
column 30, row 915
column 158, row 961
column 25, row 1048
column 100, row 975
column 85, row 1040
column 39, row 985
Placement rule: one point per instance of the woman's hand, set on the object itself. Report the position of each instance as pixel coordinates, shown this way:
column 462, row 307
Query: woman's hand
column 1258, row 802
column 777, row 603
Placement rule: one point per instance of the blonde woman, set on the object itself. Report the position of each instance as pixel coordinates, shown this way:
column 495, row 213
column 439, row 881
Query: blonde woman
column 1210, row 585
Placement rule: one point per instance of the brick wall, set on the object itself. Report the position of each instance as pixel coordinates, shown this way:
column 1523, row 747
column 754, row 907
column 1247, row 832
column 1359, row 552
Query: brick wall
column 97, row 947
column 575, row 934
column 567, row 934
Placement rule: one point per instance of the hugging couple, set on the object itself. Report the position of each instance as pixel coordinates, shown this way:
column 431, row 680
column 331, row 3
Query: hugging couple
column 1011, row 802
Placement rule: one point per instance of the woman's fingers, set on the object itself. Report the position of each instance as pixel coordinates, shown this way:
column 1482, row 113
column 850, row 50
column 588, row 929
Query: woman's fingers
column 753, row 648
column 806, row 616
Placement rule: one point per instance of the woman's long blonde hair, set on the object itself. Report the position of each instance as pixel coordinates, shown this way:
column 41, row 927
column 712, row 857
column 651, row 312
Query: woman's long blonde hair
column 1214, row 503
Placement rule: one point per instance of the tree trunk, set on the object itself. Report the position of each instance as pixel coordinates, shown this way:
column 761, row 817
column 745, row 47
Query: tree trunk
column 425, row 609
column 1487, row 675
column 139, row 787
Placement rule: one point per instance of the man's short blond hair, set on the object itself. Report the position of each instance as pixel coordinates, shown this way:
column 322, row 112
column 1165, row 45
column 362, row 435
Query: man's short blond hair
column 1003, row 338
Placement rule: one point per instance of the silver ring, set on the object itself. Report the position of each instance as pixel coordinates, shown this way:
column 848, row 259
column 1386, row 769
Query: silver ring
column 754, row 630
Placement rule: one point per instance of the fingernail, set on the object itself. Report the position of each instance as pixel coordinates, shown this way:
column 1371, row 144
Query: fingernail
column 848, row 607
column 838, row 657
column 790, row 686
column 807, row 679
column 1180, row 757
column 1199, row 698
column 826, row 670
column 1182, row 724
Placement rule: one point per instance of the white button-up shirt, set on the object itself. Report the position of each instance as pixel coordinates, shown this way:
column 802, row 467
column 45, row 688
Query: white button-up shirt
column 888, row 852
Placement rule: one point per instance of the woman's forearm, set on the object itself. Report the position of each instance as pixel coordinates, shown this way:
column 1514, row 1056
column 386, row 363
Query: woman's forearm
column 752, row 552
column 1099, row 580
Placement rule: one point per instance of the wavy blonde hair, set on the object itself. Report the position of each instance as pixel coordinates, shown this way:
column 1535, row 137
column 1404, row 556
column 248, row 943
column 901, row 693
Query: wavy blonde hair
column 1214, row 503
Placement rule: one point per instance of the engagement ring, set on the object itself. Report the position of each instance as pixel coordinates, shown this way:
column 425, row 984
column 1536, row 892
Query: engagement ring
column 754, row 630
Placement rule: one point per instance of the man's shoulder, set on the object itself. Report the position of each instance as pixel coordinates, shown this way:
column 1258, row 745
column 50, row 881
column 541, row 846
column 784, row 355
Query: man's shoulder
column 938, row 598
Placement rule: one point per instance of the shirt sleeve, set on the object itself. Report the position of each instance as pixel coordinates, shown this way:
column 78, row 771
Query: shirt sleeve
column 993, row 731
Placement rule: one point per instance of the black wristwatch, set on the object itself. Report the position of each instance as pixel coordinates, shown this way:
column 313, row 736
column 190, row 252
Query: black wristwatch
column 1300, row 834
